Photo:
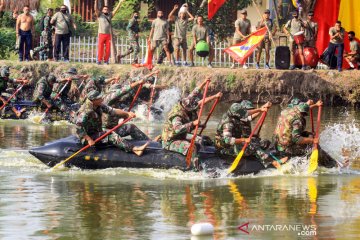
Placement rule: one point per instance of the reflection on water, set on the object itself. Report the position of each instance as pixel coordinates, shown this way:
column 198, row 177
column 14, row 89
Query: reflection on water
column 158, row 204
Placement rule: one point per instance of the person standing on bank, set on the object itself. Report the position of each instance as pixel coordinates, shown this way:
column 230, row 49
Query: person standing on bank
column 311, row 31
column 62, row 21
column 24, row 29
column 181, row 26
column 337, row 42
column 242, row 30
column 160, row 35
column 295, row 25
column 266, row 42
column 104, row 17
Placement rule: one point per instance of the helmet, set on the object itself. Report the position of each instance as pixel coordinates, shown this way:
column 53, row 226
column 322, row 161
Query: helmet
column 237, row 111
column 94, row 94
column 151, row 80
column 5, row 72
column 191, row 103
column 72, row 71
column 294, row 102
column 51, row 78
column 246, row 104
column 100, row 80
column 303, row 108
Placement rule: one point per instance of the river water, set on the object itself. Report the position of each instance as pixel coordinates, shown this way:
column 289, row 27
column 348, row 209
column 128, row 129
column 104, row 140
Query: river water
column 163, row 204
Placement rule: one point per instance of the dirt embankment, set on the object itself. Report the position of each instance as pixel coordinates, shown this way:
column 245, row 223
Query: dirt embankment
column 332, row 87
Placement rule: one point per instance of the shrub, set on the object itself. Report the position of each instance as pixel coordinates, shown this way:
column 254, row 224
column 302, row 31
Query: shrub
column 7, row 40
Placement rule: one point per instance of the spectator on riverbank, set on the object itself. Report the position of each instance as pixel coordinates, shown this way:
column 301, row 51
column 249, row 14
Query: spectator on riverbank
column 160, row 35
column 200, row 32
column 266, row 42
column 242, row 30
column 311, row 30
column 63, row 22
column 337, row 42
column 133, row 30
column 353, row 57
column 2, row 8
column 181, row 26
column 24, row 29
column 105, row 31
column 292, row 27
column 45, row 50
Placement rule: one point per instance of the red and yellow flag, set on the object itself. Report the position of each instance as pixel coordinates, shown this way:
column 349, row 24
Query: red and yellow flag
column 148, row 58
column 240, row 52
column 213, row 7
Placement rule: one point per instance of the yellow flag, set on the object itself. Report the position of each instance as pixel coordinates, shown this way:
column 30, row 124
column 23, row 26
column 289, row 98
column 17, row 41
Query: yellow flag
column 349, row 15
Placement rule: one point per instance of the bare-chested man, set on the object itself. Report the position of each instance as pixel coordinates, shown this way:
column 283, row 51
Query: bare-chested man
column 2, row 8
column 24, row 28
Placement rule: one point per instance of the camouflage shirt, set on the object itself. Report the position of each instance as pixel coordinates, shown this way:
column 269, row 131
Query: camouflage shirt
column 42, row 90
column 113, row 99
column 133, row 29
column 4, row 83
column 178, row 124
column 290, row 126
column 90, row 86
column 230, row 128
column 89, row 119
column 59, row 85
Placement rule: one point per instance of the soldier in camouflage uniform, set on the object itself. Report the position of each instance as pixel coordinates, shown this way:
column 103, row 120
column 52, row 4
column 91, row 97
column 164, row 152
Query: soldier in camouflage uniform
column 43, row 90
column 182, row 119
column 45, row 49
column 113, row 99
column 89, row 123
column 290, row 137
column 4, row 88
column 95, row 83
column 133, row 30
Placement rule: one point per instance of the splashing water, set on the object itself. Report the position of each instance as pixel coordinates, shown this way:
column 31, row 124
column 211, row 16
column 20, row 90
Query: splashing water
column 167, row 99
column 37, row 117
column 341, row 141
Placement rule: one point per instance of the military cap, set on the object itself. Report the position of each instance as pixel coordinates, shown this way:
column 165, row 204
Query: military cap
column 93, row 95
column 72, row 71
column 237, row 111
column 246, row 104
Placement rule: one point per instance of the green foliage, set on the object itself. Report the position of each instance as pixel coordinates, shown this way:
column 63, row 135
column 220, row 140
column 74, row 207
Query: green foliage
column 7, row 40
column 45, row 4
column 7, row 21
column 223, row 22
column 230, row 81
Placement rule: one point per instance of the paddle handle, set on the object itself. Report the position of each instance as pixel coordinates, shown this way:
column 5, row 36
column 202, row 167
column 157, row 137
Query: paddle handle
column 209, row 115
column 192, row 143
column 96, row 140
column 11, row 97
column 318, row 123
column 135, row 97
column 258, row 124
column 312, row 120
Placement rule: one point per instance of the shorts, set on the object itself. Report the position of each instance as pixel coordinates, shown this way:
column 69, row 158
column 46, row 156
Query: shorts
column 310, row 43
column 158, row 43
column 178, row 42
column 266, row 43
column 236, row 41
column 293, row 46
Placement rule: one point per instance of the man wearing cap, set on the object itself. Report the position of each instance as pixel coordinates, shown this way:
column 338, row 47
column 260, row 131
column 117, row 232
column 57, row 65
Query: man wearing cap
column 89, row 123
column 266, row 42
column 43, row 90
column 4, row 81
column 290, row 137
column 45, row 49
column 242, row 30
column 295, row 25
column 200, row 32
column 311, row 30
column 182, row 119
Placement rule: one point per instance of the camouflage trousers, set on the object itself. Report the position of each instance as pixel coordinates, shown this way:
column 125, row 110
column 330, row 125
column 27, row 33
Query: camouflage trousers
column 134, row 48
column 114, row 139
column 45, row 50
column 182, row 147
column 133, row 131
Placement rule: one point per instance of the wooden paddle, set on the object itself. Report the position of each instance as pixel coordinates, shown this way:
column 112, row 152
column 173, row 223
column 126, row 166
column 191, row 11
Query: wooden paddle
column 209, row 115
column 97, row 140
column 12, row 96
column 192, row 143
column 314, row 158
column 239, row 156
column 136, row 96
column 312, row 120
column 152, row 96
